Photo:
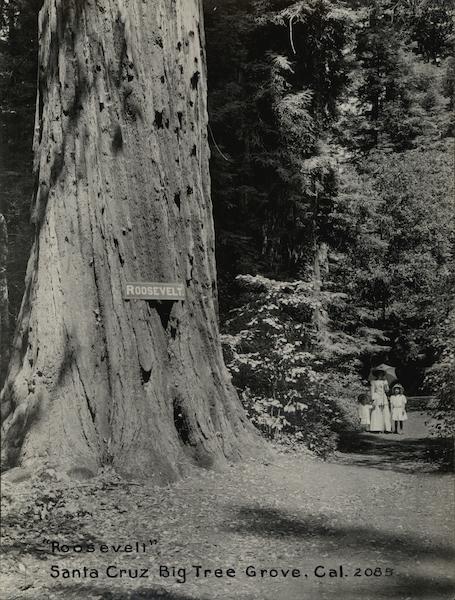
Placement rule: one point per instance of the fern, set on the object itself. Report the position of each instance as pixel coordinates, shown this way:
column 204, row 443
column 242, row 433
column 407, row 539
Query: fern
column 281, row 62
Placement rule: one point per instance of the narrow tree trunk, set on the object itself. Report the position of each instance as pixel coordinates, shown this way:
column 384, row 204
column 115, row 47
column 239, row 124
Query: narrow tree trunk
column 4, row 305
column 122, row 194
column 320, row 264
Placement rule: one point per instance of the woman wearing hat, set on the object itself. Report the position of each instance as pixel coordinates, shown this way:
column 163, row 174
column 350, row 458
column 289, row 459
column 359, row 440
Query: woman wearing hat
column 380, row 415
column 398, row 405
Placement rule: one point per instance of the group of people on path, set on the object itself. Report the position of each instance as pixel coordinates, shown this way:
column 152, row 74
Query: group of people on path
column 383, row 410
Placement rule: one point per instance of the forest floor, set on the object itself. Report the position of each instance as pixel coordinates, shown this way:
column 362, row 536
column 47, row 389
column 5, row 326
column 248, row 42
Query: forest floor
column 382, row 507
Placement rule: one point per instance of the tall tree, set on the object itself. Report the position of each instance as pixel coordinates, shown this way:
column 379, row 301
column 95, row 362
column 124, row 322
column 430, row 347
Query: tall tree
column 122, row 193
column 277, row 70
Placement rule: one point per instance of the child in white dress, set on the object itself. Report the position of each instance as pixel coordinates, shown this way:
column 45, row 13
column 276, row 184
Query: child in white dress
column 398, row 407
column 364, row 411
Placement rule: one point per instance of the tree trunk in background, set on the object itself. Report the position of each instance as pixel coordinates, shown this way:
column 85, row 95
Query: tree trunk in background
column 122, row 194
column 320, row 265
column 4, row 306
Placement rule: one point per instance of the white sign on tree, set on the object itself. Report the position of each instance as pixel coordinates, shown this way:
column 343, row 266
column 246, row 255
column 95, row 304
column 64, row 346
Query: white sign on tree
column 141, row 290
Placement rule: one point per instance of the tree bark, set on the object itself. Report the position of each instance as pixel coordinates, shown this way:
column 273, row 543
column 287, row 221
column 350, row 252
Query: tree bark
column 4, row 304
column 122, row 194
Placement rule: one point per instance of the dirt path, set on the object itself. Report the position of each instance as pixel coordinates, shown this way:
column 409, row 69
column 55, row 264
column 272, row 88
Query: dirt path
column 379, row 508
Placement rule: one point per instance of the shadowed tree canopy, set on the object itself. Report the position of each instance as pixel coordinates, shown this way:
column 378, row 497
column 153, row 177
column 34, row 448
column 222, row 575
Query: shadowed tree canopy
column 122, row 193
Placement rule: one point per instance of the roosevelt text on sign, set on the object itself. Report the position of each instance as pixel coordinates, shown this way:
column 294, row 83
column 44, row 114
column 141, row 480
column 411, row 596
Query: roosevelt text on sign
column 154, row 291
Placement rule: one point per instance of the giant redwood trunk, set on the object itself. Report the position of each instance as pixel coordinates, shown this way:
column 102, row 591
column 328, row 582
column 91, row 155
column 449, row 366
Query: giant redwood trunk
column 122, row 194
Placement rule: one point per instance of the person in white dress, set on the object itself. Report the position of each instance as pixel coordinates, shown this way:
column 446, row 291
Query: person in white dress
column 380, row 415
column 364, row 411
column 398, row 406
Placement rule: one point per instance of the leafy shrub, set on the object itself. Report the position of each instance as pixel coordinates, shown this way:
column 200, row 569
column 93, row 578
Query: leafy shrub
column 285, row 368
column 441, row 379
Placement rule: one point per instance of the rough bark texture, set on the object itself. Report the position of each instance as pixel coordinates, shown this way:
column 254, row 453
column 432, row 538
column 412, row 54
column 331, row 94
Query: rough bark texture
column 122, row 194
column 4, row 305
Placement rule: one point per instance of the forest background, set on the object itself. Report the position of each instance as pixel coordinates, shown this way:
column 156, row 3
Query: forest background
column 331, row 127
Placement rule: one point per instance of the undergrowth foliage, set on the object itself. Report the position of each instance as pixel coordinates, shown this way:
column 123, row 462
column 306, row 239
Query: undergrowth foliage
column 441, row 377
column 286, row 372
